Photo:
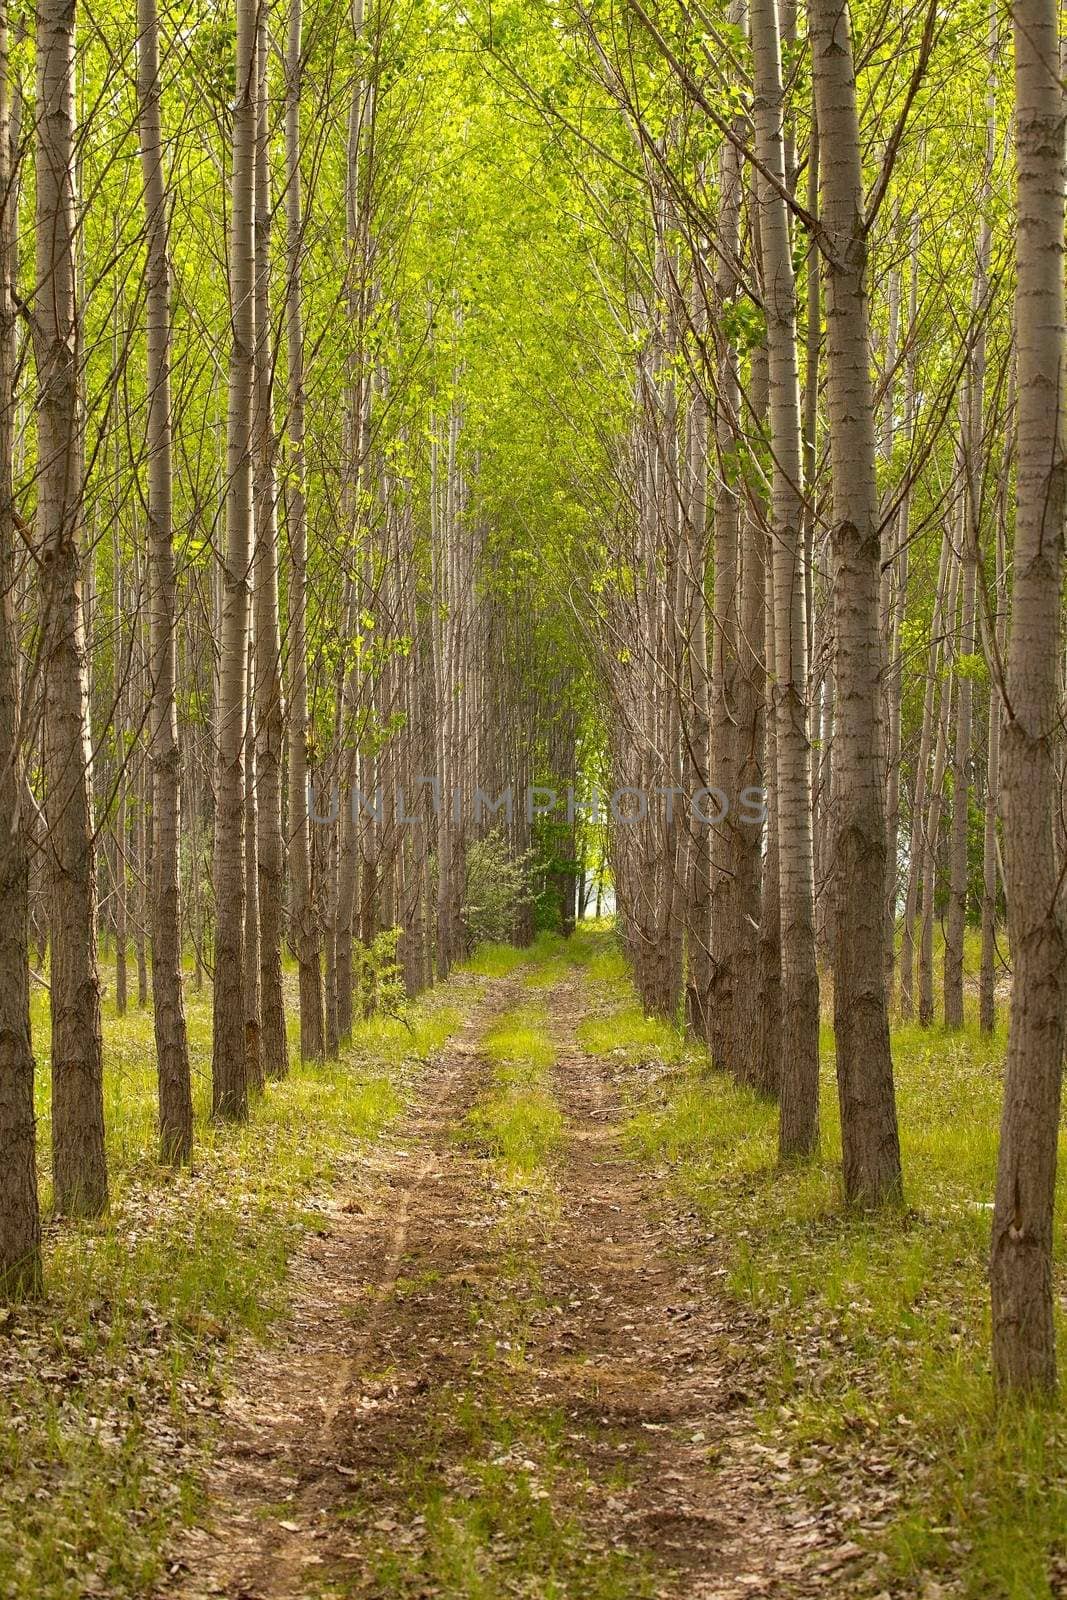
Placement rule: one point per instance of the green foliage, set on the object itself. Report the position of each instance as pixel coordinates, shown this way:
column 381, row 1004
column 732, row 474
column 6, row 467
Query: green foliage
column 379, row 977
column 495, row 960
column 497, row 887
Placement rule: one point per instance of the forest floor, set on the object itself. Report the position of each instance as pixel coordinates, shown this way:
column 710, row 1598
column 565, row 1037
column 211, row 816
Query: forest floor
column 514, row 1300
column 510, row 1367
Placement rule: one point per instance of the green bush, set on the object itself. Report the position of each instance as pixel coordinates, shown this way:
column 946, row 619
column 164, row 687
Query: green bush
column 497, row 885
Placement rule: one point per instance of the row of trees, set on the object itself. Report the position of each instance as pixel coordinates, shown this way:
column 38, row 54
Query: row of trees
column 832, row 341
column 407, row 404
column 255, row 670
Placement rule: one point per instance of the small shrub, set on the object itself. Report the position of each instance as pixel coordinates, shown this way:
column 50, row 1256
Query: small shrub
column 497, row 886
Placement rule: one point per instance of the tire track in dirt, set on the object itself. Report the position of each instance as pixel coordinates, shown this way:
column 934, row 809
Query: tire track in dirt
column 659, row 1359
column 275, row 1456
column 451, row 1328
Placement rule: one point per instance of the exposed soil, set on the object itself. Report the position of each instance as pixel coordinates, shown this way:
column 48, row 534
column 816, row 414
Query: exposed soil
column 445, row 1331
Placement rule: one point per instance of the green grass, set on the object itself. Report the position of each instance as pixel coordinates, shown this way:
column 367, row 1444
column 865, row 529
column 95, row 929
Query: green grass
column 518, row 1038
column 517, row 1120
column 107, row 1390
column 877, row 1329
column 628, row 1032
column 548, row 959
column 505, row 1522
column 495, row 960
column 607, row 967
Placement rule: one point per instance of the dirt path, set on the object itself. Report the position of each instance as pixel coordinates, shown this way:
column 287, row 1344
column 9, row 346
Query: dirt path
column 490, row 1389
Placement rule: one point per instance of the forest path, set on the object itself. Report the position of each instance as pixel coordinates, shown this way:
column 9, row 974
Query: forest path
column 494, row 1384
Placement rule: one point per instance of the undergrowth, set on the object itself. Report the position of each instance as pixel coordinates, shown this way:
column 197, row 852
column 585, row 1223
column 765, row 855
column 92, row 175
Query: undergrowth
column 495, row 960
column 630, row 1033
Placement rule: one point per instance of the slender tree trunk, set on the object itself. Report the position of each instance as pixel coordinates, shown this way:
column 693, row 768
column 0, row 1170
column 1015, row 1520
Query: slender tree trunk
column 303, row 931
column 971, row 433
column 725, row 976
column 799, row 1122
column 956, row 921
column 930, row 849
column 871, row 1146
column 768, row 1040
column 253, row 1028
column 987, row 1007
column 172, row 1050
column 21, row 1274
column 917, row 833
column 751, row 842
column 698, row 884
column 123, row 662
column 895, row 661
column 1024, row 1356
column 269, row 711
column 78, row 1155
column 142, row 843
column 229, row 1098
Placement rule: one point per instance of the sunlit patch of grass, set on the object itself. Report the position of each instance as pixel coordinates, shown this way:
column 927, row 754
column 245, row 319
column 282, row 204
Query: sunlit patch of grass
column 517, row 1120
column 549, row 959
column 518, row 1123
column 107, row 1389
column 577, row 950
column 630, row 1033
column 518, row 1037
column 608, row 966
column 546, row 976
column 495, row 960
column 878, row 1325
column 395, row 1039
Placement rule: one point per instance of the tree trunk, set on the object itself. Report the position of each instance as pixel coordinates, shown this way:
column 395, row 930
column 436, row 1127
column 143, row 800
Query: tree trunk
column 253, row 1030
column 269, row 712
column 303, row 931
column 768, row 1036
column 725, row 975
column 229, row 1097
column 870, row 1141
column 799, row 1122
column 917, row 832
column 21, row 1273
column 956, row 921
column 123, row 663
column 172, row 1050
column 78, row 1154
column 987, row 1005
column 1024, row 1357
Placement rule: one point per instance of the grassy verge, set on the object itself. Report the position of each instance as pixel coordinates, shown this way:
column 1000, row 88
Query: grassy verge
column 107, row 1390
column 495, row 960
column 630, row 1034
column 873, row 1332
